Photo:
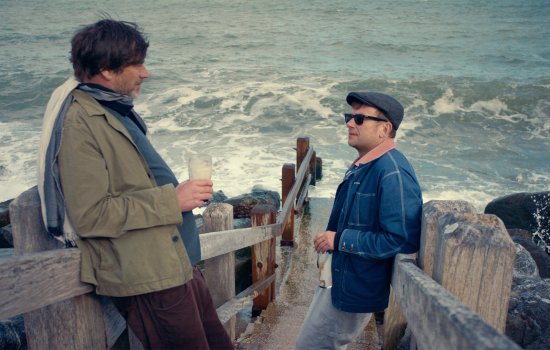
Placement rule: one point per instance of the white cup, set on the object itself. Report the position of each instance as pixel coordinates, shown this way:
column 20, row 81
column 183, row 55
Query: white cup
column 200, row 166
column 324, row 260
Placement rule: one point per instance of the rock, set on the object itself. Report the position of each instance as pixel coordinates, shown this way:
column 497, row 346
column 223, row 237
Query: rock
column 518, row 232
column 12, row 334
column 524, row 264
column 6, row 238
column 541, row 258
column 528, row 211
column 543, row 342
column 5, row 213
column 528, row 311
column 243, row 204
column 218, row 197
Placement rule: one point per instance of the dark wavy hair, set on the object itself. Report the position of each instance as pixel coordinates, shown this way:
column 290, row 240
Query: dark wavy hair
column 107, row 44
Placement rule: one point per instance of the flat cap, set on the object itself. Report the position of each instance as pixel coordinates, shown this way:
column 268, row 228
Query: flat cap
column 392, row 109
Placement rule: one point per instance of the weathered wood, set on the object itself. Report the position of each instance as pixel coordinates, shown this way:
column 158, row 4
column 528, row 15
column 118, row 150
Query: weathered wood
column 220, row 270
column 289, row 179
column 319, row 168
column 73, row 323
column 29, row 234
column 263, row 256
column 300, row 176
column 302, row 146
column 395, row 322
column 233, row 306
column 436, row 318
column 36, row 280
column 218, row 243
column 431, row 211
column 303, row 195
column 313, row 169
column 474, row 262
column 115, row 324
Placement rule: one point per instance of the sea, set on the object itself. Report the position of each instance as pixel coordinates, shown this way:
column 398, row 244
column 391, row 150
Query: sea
column 242, row 80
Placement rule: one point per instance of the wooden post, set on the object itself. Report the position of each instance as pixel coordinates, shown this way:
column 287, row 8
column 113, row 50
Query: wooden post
column 263, row 256
column 431, row 212
column 474, row 261
column 313, row 169
column 220, row 270
column 289, row 177
column 319, row 168
column 394, row 321
column 76, row 323
column 302, row 145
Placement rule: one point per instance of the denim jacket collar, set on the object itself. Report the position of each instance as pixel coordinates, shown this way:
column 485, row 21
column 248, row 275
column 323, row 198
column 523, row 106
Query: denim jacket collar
column 376, row 152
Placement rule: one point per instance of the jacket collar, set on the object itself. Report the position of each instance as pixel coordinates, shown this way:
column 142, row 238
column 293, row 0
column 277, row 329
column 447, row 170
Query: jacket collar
column 376, row 152
column 93, row 108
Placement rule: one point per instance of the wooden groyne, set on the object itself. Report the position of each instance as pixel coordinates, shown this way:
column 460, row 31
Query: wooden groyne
column 453, row 296
column 41, row 280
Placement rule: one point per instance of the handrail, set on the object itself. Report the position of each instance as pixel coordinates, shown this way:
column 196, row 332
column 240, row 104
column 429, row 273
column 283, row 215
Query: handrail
column 432, row 312
column 59, row 268
column 285, row 212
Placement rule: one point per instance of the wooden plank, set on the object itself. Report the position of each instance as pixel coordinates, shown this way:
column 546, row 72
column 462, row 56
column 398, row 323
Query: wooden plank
column 288, row 181
column 474, row 262
column 220, row 270
column 429, row 237
column 233, row 306
column 263, row 256
column 222, row 242
column 35, row 280
column 394, row 320
column 75, row 323
column 303, row 194
column 289, row 204
column 436, row 318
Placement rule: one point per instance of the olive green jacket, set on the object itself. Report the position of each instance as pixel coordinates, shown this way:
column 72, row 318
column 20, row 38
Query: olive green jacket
column 126, row 224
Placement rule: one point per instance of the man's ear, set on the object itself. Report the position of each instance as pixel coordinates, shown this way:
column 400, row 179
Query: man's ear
column 388, row 127
column 107, row 74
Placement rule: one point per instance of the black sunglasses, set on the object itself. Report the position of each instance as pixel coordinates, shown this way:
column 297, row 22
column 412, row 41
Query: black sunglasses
column 359, row 118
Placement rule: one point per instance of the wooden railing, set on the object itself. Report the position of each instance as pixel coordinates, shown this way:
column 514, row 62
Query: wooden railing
column 41, row 280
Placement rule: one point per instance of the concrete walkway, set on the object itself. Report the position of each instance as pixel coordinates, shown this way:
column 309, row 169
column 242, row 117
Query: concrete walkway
column 297, row 277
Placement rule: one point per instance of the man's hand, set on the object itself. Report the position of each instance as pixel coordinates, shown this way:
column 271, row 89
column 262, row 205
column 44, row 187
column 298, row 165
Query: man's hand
column 324, row 241
column 193, row 193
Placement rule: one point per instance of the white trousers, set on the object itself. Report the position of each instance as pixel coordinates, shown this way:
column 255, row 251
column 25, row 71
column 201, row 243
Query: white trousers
column 326, row 327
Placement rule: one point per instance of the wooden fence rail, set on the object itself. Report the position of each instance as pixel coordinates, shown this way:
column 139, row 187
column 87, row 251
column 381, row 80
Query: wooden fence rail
column 42, row 280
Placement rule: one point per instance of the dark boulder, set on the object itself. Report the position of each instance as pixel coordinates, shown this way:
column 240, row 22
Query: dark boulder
column 528, row 322
column 6, row 238
column 519, row 210
column 524, row 264
column 12, row 334
column 5, row 213
column 528, row 211
column 538, row 255
column 243, row 204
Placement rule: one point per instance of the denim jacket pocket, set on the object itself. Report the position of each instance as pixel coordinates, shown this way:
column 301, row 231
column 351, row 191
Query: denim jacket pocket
column 362, row 204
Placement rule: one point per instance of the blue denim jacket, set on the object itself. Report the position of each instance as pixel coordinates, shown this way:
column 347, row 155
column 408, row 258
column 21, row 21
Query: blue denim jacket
column 380, row 218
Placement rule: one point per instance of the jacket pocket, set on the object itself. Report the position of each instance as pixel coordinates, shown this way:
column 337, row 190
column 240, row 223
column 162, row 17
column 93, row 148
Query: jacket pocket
column 359, row 290
column 363, row 203
column 365, row 282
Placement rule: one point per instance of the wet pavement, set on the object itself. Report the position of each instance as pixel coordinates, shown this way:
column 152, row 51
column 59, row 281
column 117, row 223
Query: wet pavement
column 297, row 277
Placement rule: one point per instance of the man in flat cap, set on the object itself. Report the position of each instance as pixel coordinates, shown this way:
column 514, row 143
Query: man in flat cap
column 376, row 215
